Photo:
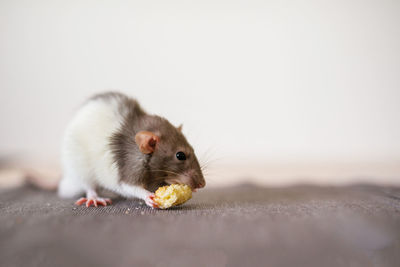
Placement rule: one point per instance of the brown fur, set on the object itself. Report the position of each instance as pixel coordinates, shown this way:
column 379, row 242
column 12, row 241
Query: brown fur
column 150, row 170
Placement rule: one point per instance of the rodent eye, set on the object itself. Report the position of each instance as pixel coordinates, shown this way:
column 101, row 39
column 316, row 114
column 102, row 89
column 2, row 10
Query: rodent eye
column 180, row 155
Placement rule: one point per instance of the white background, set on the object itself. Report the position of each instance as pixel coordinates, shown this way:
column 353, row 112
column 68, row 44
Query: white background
column 252, row 81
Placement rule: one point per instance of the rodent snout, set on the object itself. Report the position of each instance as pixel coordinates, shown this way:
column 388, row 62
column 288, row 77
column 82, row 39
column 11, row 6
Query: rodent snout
column 192, row 180
column 196, row 180
column 201, row 184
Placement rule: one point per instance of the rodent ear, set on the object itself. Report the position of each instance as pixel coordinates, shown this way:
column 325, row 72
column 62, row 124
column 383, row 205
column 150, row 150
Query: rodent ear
column 180, row 127
column 146, row 141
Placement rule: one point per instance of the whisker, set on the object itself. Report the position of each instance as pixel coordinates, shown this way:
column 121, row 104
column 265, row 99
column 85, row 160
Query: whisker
column 159, row 178
column 175, row 173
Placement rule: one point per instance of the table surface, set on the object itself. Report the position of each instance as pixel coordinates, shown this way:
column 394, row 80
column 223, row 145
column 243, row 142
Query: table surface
column 243, row 225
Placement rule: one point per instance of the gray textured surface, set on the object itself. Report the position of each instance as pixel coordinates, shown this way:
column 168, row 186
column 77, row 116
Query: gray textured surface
column 238, row 226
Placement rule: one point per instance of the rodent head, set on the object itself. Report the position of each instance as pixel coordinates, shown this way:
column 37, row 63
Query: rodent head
column 171, row 158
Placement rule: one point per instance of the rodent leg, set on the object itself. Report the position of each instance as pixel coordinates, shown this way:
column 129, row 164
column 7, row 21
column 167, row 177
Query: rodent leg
column 70, row 187
column 136, row 191
column 93, row 199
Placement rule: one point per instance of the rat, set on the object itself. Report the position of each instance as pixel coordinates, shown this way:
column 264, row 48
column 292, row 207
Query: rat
column 112, row 143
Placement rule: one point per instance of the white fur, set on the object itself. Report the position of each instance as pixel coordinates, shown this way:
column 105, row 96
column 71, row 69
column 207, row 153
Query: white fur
column 133, row 191
column 86, row 156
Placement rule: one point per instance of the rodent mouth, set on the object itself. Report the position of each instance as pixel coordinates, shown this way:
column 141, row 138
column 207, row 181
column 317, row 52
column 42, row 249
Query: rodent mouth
column 173, row 181
column 182, row 180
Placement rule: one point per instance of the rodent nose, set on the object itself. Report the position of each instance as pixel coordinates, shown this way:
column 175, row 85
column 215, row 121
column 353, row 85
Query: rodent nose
column 201, row 184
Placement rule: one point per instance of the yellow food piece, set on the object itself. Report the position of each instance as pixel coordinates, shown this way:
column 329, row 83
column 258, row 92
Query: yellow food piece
column 172, row 195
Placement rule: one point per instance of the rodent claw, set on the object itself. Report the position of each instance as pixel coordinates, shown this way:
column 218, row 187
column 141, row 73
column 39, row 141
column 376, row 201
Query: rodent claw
column 150, row 201
column 80, row 201
column 93, row 201
column 89, row 203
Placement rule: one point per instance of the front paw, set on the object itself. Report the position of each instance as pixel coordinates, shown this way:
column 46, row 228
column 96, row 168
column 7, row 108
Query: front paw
column 150, row 201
